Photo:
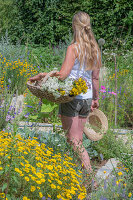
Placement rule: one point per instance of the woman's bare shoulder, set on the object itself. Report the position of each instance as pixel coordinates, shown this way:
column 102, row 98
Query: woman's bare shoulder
column 72, row 48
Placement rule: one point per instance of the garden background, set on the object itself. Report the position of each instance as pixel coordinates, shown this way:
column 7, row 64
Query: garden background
column 34, row 35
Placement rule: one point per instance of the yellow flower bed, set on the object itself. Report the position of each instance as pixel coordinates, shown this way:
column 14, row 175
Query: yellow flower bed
column 29, row 170
column 19, row 69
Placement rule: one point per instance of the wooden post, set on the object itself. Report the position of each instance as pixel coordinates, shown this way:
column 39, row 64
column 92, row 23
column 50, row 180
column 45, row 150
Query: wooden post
column 115, row 92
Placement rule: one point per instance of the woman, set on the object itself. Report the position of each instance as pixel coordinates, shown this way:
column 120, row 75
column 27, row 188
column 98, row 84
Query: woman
column 82, row 59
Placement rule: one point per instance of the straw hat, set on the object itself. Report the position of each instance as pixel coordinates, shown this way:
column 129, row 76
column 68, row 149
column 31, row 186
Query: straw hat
column 96, row 125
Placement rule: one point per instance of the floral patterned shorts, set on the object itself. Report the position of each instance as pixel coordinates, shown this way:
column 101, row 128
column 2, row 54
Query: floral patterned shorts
column 76, row 107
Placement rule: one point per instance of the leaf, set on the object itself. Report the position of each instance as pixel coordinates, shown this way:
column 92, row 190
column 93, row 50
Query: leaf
column 1, row 172
column 15, row 179
column 8, row 196
column 47, row 108
column 6, row 169
column 4, row 187
column 33, row 117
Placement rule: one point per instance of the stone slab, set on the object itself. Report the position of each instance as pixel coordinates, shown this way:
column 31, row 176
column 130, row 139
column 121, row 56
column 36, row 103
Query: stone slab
column 108, row 168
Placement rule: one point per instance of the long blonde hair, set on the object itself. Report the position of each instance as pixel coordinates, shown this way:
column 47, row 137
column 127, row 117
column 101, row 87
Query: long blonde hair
column 85, row 40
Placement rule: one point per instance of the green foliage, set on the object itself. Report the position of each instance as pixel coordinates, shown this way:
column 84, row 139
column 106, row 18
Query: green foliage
column 5, row 102
column 48, row 22
column 124, row 91
column 111, row 147
column 39, row 111
column 122, row 182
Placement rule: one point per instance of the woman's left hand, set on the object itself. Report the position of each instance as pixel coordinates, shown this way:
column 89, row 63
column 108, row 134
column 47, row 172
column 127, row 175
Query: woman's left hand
column 94, row 104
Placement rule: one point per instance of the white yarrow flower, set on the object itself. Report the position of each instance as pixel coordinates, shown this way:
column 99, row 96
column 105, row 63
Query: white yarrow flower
column 53, row 84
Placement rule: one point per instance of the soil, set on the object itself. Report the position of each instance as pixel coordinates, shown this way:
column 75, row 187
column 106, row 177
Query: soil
column 97, row 164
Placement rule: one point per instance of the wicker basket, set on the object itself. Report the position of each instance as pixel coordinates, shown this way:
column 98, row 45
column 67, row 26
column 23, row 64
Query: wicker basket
column 38, row 92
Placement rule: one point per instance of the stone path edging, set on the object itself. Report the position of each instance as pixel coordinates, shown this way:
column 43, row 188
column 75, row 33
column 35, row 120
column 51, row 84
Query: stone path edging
column 106, row 170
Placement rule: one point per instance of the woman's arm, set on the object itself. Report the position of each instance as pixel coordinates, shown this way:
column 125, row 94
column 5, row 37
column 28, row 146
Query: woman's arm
column 67, row 64
column 95, row 88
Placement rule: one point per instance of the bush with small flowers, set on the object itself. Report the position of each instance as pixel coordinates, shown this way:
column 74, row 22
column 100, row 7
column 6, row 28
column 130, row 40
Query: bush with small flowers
column 14, row 74
column 29, row 170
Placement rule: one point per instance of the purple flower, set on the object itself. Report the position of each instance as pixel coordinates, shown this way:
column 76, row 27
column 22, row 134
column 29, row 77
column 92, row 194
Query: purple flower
column 103, row 97
column 8, row 128
column 105, row 185
column 8, row 118
column 103, row 198
column 27, row 115
column 124, row 194
column 114, row 182
column 43, row 198
column 20, row 110
column 28, row 106
column 9, row 80
column 101, row 155
column 47, row 66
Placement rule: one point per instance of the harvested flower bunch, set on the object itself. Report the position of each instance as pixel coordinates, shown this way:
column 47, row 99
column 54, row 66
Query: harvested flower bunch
column 65, row 88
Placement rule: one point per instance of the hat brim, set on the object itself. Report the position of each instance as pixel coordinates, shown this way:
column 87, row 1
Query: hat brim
column 96, row 125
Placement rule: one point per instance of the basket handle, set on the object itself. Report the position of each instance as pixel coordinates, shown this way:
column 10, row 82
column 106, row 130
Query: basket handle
column 48, row 75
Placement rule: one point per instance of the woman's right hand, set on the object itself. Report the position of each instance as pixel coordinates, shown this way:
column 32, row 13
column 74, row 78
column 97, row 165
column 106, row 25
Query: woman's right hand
column 35, row 78
column 38, row 77
column 94, row 104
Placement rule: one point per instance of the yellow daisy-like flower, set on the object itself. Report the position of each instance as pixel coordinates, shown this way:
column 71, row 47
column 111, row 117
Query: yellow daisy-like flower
column 38, row 182
column 53, row 186
column 120, row 173
column 32, row 189
column 27, row 178
column 2, row 195
column 117, row 182
column 25, row 198
column 40, row 195
column 130, row 194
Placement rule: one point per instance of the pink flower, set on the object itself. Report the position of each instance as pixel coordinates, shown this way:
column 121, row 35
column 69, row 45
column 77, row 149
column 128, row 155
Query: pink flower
column 103, row 87
column 112, row 93
column 103, row 91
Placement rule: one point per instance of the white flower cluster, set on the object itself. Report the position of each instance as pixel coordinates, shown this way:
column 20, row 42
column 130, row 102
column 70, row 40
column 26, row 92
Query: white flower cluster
column 53, row 84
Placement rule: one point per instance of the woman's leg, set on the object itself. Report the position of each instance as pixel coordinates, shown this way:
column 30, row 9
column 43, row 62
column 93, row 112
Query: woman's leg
column 74, row 127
